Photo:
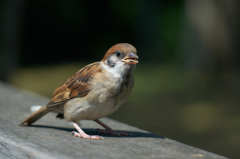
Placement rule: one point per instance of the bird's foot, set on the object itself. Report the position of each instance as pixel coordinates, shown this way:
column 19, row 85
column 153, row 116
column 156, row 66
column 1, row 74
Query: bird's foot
column 85, row 136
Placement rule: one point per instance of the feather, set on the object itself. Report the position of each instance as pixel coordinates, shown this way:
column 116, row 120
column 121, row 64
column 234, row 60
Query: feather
column 75, row 86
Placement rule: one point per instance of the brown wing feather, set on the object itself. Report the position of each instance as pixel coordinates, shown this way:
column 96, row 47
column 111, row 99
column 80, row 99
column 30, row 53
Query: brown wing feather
column 75, row 86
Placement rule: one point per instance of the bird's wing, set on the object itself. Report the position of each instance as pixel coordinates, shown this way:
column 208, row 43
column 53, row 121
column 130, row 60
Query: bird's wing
column 75, row 86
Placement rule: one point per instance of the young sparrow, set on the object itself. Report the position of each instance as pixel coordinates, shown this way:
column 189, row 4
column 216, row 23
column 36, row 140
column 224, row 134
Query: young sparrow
column 95, row 91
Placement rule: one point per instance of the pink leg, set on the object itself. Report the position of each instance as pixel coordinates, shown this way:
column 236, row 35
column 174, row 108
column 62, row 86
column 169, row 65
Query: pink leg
column 109, row 130
column 80, row 133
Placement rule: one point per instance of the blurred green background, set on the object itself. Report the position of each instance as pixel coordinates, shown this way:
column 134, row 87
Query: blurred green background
column 187, row 81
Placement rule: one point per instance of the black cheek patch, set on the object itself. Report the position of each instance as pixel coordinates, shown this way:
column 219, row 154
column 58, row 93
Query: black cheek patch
column 110, row 63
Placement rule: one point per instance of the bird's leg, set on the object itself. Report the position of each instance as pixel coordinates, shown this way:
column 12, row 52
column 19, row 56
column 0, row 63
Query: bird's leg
column 103, row 125
column 109, row 130
column 80, row 133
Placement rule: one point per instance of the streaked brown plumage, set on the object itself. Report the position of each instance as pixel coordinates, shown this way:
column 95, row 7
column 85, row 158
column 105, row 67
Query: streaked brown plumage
column 95, row 91
column 75, row 86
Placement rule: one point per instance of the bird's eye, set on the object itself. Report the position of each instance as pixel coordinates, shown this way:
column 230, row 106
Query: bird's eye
column 118, row 54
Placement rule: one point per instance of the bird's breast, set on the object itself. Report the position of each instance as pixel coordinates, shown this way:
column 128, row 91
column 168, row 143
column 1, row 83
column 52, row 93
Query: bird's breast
column 105, row 97
column 107, row 90
column 108, row 94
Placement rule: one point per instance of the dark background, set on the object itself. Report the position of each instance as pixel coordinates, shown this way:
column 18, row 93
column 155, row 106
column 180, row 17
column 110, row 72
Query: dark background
column 187, row 81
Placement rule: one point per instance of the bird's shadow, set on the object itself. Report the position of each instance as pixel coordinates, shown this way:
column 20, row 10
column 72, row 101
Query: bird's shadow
column 90, row 131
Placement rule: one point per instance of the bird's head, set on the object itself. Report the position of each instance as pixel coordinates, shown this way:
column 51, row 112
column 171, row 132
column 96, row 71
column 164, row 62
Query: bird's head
column 120, row 58
column 122, row 52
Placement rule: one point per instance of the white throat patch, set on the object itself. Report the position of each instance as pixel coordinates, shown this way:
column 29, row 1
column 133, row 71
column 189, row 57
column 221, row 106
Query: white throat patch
column 118, row 70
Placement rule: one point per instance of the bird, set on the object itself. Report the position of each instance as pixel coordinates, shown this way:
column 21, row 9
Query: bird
column 93, row 92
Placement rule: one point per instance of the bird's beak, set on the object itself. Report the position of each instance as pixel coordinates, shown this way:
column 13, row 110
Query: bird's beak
column 131, row 59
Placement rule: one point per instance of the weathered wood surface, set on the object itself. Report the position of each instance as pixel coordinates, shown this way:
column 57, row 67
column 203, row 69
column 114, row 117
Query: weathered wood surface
column 51, row 137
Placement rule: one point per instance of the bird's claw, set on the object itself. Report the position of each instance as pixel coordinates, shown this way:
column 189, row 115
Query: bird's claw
column 85, row 136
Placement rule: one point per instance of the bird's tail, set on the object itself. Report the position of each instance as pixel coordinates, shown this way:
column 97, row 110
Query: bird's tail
column 37, row 114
